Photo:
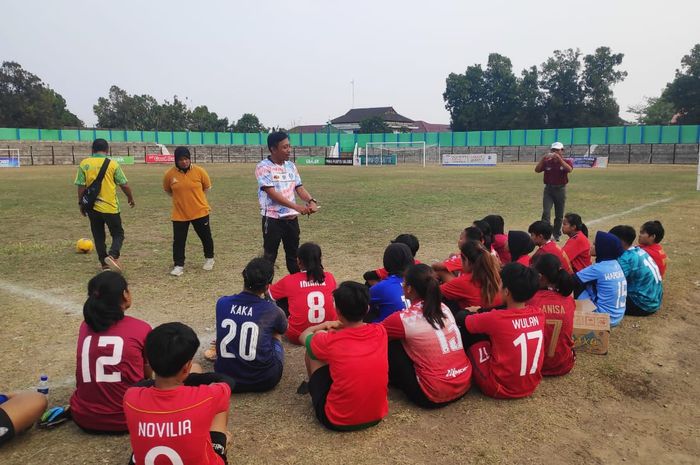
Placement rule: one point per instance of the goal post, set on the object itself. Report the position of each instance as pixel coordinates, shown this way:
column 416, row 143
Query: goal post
column 383, row 153
column 9, row 158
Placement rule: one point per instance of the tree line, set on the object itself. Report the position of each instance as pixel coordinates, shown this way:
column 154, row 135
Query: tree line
column 568, row 90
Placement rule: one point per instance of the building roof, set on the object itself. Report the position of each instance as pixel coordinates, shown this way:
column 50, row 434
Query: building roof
column 431, row 127
column 356, row 115
column 310, row 129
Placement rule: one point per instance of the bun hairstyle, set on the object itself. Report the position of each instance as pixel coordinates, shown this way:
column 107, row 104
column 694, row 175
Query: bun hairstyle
column 103, row 307
column 257, row 274
column 549, row 267
column 423, row 280
column 485, row 270
column 310, row 256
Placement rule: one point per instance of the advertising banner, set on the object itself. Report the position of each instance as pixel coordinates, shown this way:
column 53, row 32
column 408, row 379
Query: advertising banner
column 469, row 159
column 379, row 160
column 7, row 162
column 158, row 158
column 310, row 161
column 122, row 160
column 339, row 161
column 590, row 162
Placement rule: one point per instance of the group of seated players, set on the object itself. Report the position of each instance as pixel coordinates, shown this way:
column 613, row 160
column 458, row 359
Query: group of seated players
column 490, row 313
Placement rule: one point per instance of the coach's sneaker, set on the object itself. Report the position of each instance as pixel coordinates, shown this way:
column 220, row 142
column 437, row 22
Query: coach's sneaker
column 113, row 264
column 177, row 271
column 208, row 264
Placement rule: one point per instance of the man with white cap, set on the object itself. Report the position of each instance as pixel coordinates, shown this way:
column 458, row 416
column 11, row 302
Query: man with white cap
column 556, row 170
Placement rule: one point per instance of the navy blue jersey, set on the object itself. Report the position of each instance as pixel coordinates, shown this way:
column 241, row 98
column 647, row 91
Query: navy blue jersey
column 245, row 324
column 387, row 297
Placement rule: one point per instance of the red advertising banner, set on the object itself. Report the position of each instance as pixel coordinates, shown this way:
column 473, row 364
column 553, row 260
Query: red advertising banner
column 158, row 158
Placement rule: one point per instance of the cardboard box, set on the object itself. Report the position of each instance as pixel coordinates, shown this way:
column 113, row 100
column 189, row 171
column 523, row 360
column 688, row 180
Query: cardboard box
column 591, row 330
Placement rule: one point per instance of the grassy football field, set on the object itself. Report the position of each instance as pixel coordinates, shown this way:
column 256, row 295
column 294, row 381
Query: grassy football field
column 638, row 404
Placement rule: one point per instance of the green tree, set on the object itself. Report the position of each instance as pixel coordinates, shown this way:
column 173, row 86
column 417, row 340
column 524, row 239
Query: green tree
column 124, row 111
column 465, row 99
column 684, row 91
column 25, row 101
column 564, row 91
column 599, row 75
column 373, row 125
column 201, row 119
column 501, row 89
column 656, row 110
column 531, row 111
column 249, row 123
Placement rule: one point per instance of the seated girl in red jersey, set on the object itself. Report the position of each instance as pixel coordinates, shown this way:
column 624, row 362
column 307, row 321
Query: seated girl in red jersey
column 500, row 240
column 110, row 356
column 183, row 417
column 426, row 358
column 346, row 361
column 520, row 245
column 541, row 233
column 18, row 413
column 651, row 234
column 556, row 300
column 309, row 293
column 479, row 283
column 373, row 277
column 452, row 266
column 509, row 364
column 577, row 248
column 485, row 228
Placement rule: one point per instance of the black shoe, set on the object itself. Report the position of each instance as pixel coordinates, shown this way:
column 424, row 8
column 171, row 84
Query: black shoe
column 303, row 388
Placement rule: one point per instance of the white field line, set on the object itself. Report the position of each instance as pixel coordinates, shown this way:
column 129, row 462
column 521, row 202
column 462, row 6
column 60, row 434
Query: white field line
column 44, row 297
column 631, row 210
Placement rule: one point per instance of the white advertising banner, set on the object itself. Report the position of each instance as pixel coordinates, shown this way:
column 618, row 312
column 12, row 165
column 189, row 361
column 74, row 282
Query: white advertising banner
column 469, row 159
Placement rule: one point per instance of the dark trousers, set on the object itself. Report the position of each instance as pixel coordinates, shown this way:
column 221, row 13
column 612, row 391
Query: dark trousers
column 402, row 374
column 180, row 230
column 554, row 195
column 98, row 220
column 632, row 309
column 280, row 230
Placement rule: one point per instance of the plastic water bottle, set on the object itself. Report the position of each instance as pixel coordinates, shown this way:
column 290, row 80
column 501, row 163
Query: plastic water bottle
column 43, row 386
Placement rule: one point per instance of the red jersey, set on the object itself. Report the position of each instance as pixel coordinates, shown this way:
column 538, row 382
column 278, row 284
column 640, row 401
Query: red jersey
column 578, row 250
column 442, row 368
column 523, row 260
column 467, row 292
column 551, row 247
column 169, row 426
column 554, row 173
column 517, row 340
column 383, row 273
column 310, row 303
column 107, row 364
column 558, row 311
column 454, row 263
column 657, row 253
column 500, row 241
column 359, row 366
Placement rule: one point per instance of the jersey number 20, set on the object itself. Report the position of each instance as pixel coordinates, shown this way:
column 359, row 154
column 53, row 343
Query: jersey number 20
column 248, row 343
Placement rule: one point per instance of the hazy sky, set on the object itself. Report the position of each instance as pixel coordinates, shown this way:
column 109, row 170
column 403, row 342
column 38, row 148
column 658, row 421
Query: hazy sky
column 291, row 62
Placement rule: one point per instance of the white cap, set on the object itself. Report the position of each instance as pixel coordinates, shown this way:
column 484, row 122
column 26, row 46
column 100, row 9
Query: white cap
column 557, row 146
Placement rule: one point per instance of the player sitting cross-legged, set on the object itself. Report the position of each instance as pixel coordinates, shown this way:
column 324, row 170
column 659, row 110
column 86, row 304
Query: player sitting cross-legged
column 183, row 417
column 346, row 361
column 249, row 332
column 374, row 276
column 650, row 236
column 541, row 233
column 452, row 266
column 308, row 293
column 508, row 364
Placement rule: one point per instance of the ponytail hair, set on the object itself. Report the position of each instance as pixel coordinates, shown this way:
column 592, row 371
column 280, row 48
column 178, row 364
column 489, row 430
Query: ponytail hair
column 549, row 267
column 103, row 307
column 310, row 256
column 484, row 268
column 575, row 220
column 422, row 279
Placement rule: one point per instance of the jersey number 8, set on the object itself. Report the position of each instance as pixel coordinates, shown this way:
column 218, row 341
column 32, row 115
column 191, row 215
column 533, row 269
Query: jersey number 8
column 316, row 301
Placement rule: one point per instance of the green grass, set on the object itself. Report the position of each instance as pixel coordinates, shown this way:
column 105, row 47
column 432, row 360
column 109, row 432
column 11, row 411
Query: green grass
column 361, row 210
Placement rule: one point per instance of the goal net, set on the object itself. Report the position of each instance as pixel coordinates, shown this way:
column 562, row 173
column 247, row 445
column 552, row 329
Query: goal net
column 9, row 158
column 392, row 153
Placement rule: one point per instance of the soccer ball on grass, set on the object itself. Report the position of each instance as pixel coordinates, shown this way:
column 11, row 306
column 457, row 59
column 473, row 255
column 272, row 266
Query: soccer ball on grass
column 84, row 246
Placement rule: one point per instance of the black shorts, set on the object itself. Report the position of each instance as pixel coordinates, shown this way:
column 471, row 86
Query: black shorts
column 319, row 386
column 272, row 377
column 7, row 429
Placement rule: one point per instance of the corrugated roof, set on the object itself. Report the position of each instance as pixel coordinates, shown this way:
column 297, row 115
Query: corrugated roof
column 356, row 115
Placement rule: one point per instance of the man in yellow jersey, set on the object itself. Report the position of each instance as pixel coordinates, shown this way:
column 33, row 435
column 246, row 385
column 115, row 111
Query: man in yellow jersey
column 106, row 208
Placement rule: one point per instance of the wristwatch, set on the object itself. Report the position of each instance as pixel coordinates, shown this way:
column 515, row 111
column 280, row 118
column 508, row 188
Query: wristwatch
column 312, row 200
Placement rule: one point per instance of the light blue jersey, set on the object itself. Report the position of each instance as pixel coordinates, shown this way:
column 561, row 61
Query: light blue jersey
column 644, row 286
column 606, row 286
